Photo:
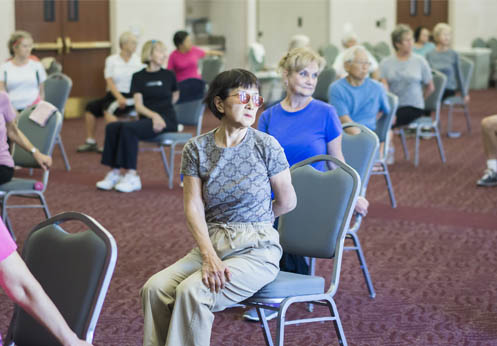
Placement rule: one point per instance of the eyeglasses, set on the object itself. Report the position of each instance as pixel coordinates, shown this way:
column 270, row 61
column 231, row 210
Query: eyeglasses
column 362, row 63
column 245, row 98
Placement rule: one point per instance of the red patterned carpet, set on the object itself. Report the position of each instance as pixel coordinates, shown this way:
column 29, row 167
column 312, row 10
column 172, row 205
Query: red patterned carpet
column 432, row 259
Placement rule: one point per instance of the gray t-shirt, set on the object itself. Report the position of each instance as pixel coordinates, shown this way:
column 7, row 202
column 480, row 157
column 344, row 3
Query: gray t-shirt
column 235, row 180
column 406, row 79
column 446, row 62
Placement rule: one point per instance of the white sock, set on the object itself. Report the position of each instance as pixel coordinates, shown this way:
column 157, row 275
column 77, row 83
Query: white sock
column 91, row 141
column 492, row 164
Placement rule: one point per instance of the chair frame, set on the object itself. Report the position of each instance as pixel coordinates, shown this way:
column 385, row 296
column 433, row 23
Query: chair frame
column 5, row 195
column 383, row 136
column 326, row 298
column 105, row 277
column 428, row 123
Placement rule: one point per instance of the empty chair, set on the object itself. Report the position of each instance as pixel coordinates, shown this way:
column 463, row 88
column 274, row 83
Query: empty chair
column 326, row 77
column 188, row 113
column 478, row 43
column 211, row 67
column 360, row 152
column 74, row 270
column 466, row 66
column 383, row 126
column 381, row 50
column 329, row 53
column 256, row 57
column 428, row 125
column 57, row 89
column 44, row 139
column 315, row 228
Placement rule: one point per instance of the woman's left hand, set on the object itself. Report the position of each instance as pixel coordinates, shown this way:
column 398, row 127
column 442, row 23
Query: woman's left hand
column 43, row 160
column 361, row 206
column 158, row 123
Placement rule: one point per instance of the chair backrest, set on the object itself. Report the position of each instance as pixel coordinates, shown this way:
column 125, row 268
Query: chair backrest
column 254, row 64
column 384, row 123
column 478, row 43
column 43, row 138
column 191, row 113
column 360, row 151
column 492, row 44
column 57, row 89
column 467, row 72
column 382, row 49
column 326, row 200
column 74, row 270
column 434, row 101
column 329, row 53
column 369, row 47
column 211, row 67
column 325, row 78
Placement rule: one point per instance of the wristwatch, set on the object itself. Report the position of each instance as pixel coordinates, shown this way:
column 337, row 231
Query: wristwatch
column 33, row 150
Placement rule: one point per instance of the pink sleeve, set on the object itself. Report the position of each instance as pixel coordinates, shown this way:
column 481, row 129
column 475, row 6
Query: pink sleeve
column 7, row 244
column 6, row 107
column 199, row 52
column 170, row 62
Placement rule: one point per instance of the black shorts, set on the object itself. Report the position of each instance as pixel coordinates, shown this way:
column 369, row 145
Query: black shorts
column 97, row 107
column 448, row 93
column 406, row 115
column 6, row 174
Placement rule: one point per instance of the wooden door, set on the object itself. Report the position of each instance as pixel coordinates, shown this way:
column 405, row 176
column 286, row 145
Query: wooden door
column 425, row 13
column 77, row 34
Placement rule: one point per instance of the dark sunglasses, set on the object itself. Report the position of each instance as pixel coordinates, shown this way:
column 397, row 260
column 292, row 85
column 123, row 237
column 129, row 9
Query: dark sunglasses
column 245, row 98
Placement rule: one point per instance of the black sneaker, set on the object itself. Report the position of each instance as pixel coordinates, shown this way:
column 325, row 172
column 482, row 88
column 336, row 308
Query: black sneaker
column 88, row 147
column 489, row 178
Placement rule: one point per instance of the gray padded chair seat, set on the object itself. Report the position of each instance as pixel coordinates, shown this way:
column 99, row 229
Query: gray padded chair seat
column 17, row 184
column 453, row 100
column 170, row 137
column 422, row 121
column 290, row 284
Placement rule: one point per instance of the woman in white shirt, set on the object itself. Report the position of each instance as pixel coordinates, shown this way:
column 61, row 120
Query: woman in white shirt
column 119, row 69
column 23, row 75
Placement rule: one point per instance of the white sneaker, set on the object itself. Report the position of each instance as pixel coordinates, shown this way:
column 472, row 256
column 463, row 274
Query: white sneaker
column 129, row 183
column 110, row 180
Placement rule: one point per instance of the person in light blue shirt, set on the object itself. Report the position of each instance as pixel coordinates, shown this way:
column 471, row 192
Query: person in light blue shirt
column 357, row 98
column 422, row 44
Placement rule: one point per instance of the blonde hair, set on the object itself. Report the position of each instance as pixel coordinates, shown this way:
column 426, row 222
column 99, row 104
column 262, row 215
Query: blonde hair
column 16, row 38
column 125, row 37
column 439, row 28
column 148, row 49
column 299, row 58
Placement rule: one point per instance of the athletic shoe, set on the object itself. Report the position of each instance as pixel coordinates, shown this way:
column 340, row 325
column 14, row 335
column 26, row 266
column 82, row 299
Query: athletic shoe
column 489, row 178
column 88, row 147
column 251, row 314
column 110, row 180
column 129, row 183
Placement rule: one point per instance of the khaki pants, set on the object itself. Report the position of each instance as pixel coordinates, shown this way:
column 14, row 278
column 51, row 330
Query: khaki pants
column 179, row 308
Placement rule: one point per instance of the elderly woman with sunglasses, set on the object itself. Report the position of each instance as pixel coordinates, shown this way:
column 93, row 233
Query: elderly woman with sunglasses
column 229, row 174
column 304, row 127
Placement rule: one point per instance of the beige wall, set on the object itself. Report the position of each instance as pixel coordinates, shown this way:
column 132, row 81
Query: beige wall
column 7, row 25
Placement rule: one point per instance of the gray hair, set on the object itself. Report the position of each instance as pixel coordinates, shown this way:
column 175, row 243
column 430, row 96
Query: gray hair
column 351, row 52
column 349, row 36
column 398, row 33
column 439, row 28
column 125, row 37
column 299, row 41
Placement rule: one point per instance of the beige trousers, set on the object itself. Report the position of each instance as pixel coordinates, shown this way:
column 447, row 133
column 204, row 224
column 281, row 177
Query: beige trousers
column 179, row 308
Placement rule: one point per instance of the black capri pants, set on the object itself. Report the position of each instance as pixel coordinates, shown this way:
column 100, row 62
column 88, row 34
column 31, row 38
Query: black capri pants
column 98, row 106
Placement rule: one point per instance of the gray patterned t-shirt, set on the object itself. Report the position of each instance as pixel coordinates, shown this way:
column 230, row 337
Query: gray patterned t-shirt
column 235, row 180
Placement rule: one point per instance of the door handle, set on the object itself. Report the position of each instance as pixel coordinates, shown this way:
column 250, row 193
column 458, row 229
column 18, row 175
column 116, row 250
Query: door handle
column 57, row 45
column 86, row 45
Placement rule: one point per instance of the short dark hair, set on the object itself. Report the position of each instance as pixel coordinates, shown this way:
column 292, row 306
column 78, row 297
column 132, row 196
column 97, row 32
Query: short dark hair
column 224, row 82
column 179, row 37
column 417, row 32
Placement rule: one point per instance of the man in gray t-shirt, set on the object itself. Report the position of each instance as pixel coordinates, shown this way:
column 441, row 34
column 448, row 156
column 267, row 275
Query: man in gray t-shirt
column 406, row 79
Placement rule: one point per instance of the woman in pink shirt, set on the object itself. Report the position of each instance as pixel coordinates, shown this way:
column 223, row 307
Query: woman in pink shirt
column 21, row 286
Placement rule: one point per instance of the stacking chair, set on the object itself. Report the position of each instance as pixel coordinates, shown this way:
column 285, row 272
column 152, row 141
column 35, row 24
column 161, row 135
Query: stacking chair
column 315, row 228
column 466, row 66
column 324, row 80
column 478, row 43
column 57, row 89
column 360, row 152
column 44, row 139
column 383, row 126
column 74, row 270
column 382, row 50
column 329, row 53
column 188, row 113
column 211, row 67
column 428, row 125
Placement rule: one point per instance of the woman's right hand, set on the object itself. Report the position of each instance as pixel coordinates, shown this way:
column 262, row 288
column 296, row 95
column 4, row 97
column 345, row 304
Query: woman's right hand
column 158, row 123
column 215, row 273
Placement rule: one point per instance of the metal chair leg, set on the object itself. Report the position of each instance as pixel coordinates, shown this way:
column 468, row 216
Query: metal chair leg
column 468, row 120
column 449, row 119
column 440, row 146
column 404, row 144
column 63, row 152
column 171, row 165
column 386, row 173
column 265, row 326
column 342, row 340
column 362, row 261
column 44, row 205
column 416, row 148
